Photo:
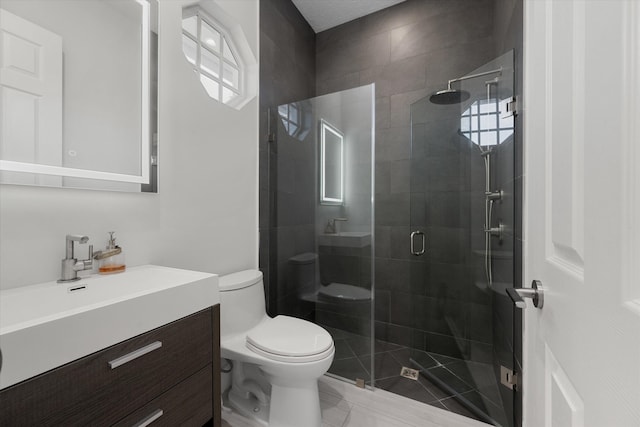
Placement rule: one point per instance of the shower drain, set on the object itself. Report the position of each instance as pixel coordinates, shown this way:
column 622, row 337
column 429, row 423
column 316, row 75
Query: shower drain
column 412, row 374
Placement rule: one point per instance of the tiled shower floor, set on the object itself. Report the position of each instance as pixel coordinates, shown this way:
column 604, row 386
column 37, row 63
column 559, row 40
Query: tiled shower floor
column 472, row 381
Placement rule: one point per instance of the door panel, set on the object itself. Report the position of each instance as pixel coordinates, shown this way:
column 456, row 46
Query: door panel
column 582, row 349
column 31, row 97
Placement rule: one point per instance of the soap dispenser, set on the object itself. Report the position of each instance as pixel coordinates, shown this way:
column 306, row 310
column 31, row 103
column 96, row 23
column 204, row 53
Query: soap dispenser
column 111, row 260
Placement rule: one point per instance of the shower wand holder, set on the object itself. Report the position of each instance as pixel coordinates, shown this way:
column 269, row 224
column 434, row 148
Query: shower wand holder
column 494, row 195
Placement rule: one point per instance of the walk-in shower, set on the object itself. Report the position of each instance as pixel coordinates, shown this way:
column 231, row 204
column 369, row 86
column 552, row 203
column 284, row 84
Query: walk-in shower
column 458, row 250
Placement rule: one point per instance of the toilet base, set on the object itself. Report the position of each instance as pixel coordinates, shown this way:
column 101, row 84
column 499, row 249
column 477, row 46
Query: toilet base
column 295, row 406
column 249, row 407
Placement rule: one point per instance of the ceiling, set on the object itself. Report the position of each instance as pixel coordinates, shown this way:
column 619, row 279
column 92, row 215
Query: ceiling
column 325, row 14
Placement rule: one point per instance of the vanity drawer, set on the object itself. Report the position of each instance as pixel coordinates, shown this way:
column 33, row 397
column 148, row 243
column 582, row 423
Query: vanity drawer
column 187, row 404
column 104, row 387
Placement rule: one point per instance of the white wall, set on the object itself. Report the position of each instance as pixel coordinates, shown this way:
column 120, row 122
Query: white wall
column 206, row 214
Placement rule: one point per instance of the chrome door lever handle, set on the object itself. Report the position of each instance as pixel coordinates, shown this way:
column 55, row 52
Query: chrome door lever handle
column 536, row 293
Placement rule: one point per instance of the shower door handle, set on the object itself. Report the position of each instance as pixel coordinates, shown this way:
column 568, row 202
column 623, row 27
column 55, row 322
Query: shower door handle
column 412, row 238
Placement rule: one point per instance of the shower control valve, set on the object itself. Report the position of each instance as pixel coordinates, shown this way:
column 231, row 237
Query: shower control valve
column 496, row 231
column 494, row 195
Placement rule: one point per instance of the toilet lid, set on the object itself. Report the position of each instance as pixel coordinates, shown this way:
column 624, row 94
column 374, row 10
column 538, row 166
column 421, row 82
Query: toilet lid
column 289, row 339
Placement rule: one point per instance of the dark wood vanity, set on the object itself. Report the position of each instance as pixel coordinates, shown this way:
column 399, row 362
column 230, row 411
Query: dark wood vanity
column 168, row 376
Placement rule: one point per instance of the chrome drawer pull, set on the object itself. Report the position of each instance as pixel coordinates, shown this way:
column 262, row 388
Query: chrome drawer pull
column 151, row 418
column 135, row 354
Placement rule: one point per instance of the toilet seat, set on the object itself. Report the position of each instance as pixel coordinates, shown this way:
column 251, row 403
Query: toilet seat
column 289, row 339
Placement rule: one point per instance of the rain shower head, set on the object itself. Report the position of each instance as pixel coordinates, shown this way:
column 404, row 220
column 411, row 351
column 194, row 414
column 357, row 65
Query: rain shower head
column 456, row 96
column 449, row 96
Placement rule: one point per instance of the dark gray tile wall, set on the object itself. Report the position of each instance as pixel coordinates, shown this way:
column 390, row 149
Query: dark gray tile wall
column 287, row 74
column 409, row 51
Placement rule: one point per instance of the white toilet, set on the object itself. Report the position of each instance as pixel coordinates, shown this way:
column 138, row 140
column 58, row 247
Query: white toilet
column 276, row 362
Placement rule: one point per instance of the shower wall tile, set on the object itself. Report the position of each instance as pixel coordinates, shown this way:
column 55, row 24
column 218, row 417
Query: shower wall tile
column 449, row 208
column 331, row 85
column 393, row 144
column 399, row 243
column 401, row 76
column 382, row 112
column 399, row 309
column 383, row 241
column 382, row 306
column 448, row 63
column 400, row 104
column 393, row 209
column 420, row 280
column 287, row 73
column 400, row 174
column 392, row 274
column 383, row 177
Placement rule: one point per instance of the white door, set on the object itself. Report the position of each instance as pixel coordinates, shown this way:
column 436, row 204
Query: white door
column 582, row 212
column 30, row 97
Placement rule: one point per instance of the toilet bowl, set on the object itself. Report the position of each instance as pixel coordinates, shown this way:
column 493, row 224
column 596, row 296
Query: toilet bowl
column 276, row 361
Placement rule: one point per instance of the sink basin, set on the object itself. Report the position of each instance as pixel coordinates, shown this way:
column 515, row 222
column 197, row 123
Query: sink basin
column 349, row 239
column 47, row 325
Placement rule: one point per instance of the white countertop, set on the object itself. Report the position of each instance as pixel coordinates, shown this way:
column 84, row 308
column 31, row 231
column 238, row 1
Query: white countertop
column 47, row 325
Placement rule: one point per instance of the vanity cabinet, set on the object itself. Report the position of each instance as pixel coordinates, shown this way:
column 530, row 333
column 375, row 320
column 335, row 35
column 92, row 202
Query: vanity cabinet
column 168, row 376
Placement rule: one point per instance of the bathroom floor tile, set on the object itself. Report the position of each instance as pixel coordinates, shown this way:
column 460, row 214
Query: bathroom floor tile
column 444, row 375
column 343, row 350
column 443, row 360
column 385, row 365
column 349, row 368
column 335, row 410
column 406, row 355
column 407, row 388
column 361, row 346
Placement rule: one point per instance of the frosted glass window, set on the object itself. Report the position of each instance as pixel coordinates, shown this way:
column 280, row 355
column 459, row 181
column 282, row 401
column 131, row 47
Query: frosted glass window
column 228, row 54
column 205, row 45
column 210, row 63
column 489, row 122
column 483, row 125
column 211, row 86
column 190, row 49
column 190, row 25
column 210, row 37
column 228, row 95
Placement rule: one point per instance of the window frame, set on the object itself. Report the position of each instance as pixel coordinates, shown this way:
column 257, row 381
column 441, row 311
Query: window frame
column 225, row 40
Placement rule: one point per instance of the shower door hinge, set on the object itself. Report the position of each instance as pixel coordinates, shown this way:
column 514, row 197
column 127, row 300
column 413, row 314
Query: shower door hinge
column 508, row 107
column 508, row 378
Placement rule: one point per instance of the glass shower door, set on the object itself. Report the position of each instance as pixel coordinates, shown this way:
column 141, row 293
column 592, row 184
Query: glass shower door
column 462, row 252
column 324, row 225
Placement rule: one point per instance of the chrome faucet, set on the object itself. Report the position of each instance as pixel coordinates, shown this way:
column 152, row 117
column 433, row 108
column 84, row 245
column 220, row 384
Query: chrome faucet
column 331, row 225
column 71, row 265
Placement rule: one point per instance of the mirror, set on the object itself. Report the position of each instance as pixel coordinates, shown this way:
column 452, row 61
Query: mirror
column 78, row 103
column 331, row 165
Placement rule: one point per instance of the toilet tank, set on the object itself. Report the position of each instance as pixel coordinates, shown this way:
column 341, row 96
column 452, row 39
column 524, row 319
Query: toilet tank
column 302, row 272
column 242, row 303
